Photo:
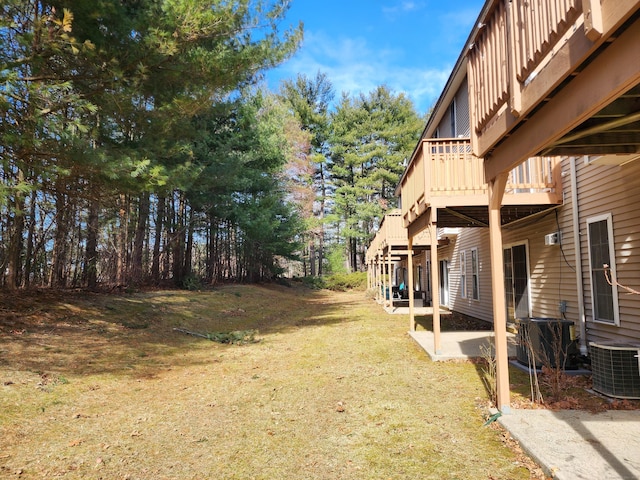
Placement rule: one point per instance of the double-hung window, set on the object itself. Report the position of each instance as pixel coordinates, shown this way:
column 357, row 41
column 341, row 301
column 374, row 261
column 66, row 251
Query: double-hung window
column 475, row 274
column 604, row 295
column 463, row 274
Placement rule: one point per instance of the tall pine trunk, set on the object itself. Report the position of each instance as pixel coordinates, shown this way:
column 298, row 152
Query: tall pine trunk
column 122, row 237
column 16, row 234
column 59, row 254
column 137, row 264
column 157, row 242
column 177, row 238
column 91, row 252
column 188, row 251
column 312, row 255
column 323, row 200
column 28, row 262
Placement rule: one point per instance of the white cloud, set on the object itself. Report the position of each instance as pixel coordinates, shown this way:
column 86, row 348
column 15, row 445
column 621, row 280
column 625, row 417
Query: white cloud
column 402, row 7
column 354, row 67
column 460, row 18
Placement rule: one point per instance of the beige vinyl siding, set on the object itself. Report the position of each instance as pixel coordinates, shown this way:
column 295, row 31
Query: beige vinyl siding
column 551, row 273
column 615, row 190
column 552, row 278
column 468, row 239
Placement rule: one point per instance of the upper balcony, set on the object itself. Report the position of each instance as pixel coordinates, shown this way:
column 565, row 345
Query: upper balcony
column 392, row 237
column 562, row 63
column 446, row 175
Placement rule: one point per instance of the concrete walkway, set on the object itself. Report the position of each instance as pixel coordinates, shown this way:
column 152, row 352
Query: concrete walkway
column 577, row 445
column 567, row 444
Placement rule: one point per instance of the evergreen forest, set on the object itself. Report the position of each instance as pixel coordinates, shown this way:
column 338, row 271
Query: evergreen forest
column 139, row 145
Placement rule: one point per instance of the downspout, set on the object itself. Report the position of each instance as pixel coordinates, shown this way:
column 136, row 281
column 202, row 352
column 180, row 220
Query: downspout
column 577, row 248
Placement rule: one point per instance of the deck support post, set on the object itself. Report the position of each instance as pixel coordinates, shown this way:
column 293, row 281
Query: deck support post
column 379, row 279
column 412, row 318
column 390, row 283
column 496, row 192
column 383, row 279
column 435, row 280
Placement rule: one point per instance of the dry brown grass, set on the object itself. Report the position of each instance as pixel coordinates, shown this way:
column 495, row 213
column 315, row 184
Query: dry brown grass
column 97, row 386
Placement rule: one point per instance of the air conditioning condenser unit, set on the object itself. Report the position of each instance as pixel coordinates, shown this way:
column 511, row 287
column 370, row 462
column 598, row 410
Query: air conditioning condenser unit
column 616, row 369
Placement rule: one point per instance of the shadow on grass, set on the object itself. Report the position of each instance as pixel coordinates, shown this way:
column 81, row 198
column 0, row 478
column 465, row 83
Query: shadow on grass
column 71, row 333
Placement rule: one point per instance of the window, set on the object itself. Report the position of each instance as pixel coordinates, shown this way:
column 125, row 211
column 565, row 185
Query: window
column 452, row 119
column 604, row 297
column 463, row 275
column 475, row 274
column 516, row 281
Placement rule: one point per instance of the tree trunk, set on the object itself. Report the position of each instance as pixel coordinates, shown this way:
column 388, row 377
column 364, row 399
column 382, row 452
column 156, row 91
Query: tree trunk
column 91, row 252
column 211, row 251
column 59, row 254
column 312, row 255
column 157, row 242
column 26, row 280
column 123, row 235
column 353, row 254
column 177, row 239
column 188, row 265
column 137, row 264
column 323, row 200
column 16, row 230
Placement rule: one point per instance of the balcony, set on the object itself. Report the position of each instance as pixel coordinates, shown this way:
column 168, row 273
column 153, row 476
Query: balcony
column 553, row 78
column 392, row 237
column 391, row 244
column 446, row 175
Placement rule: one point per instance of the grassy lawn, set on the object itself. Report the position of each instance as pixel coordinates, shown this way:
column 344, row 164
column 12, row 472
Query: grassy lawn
column 97, row 386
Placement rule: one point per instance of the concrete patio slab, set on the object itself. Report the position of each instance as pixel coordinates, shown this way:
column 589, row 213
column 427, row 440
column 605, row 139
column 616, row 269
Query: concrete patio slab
column 459, row 345
column 567, row 444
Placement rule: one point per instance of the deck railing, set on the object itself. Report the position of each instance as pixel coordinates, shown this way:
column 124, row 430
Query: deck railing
column 393, row 233
column 452, row 168
column 514, row 41
column 448, row 168
column 372, row 249
column 523, row 50
column 393, row 230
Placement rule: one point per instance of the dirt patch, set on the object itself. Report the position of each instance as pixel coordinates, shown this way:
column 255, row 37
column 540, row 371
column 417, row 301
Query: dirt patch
column 454, row 321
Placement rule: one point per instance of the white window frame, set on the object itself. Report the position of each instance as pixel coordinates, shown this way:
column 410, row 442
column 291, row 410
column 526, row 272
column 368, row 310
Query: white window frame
column 453, row 120
column 510, row 246
column 475, row 274
column 463, row 274
column 607, row 217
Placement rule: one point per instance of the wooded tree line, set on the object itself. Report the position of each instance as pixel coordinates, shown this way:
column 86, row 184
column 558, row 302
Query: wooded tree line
column 359, row 149
column 135, row 147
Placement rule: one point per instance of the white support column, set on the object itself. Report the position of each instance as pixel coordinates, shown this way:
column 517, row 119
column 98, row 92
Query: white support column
column 496, row 192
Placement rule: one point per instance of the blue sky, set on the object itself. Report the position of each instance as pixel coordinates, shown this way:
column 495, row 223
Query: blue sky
column 410, row 46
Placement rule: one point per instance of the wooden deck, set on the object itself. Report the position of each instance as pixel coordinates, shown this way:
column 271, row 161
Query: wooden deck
column 551, row 78
column 444, row 174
